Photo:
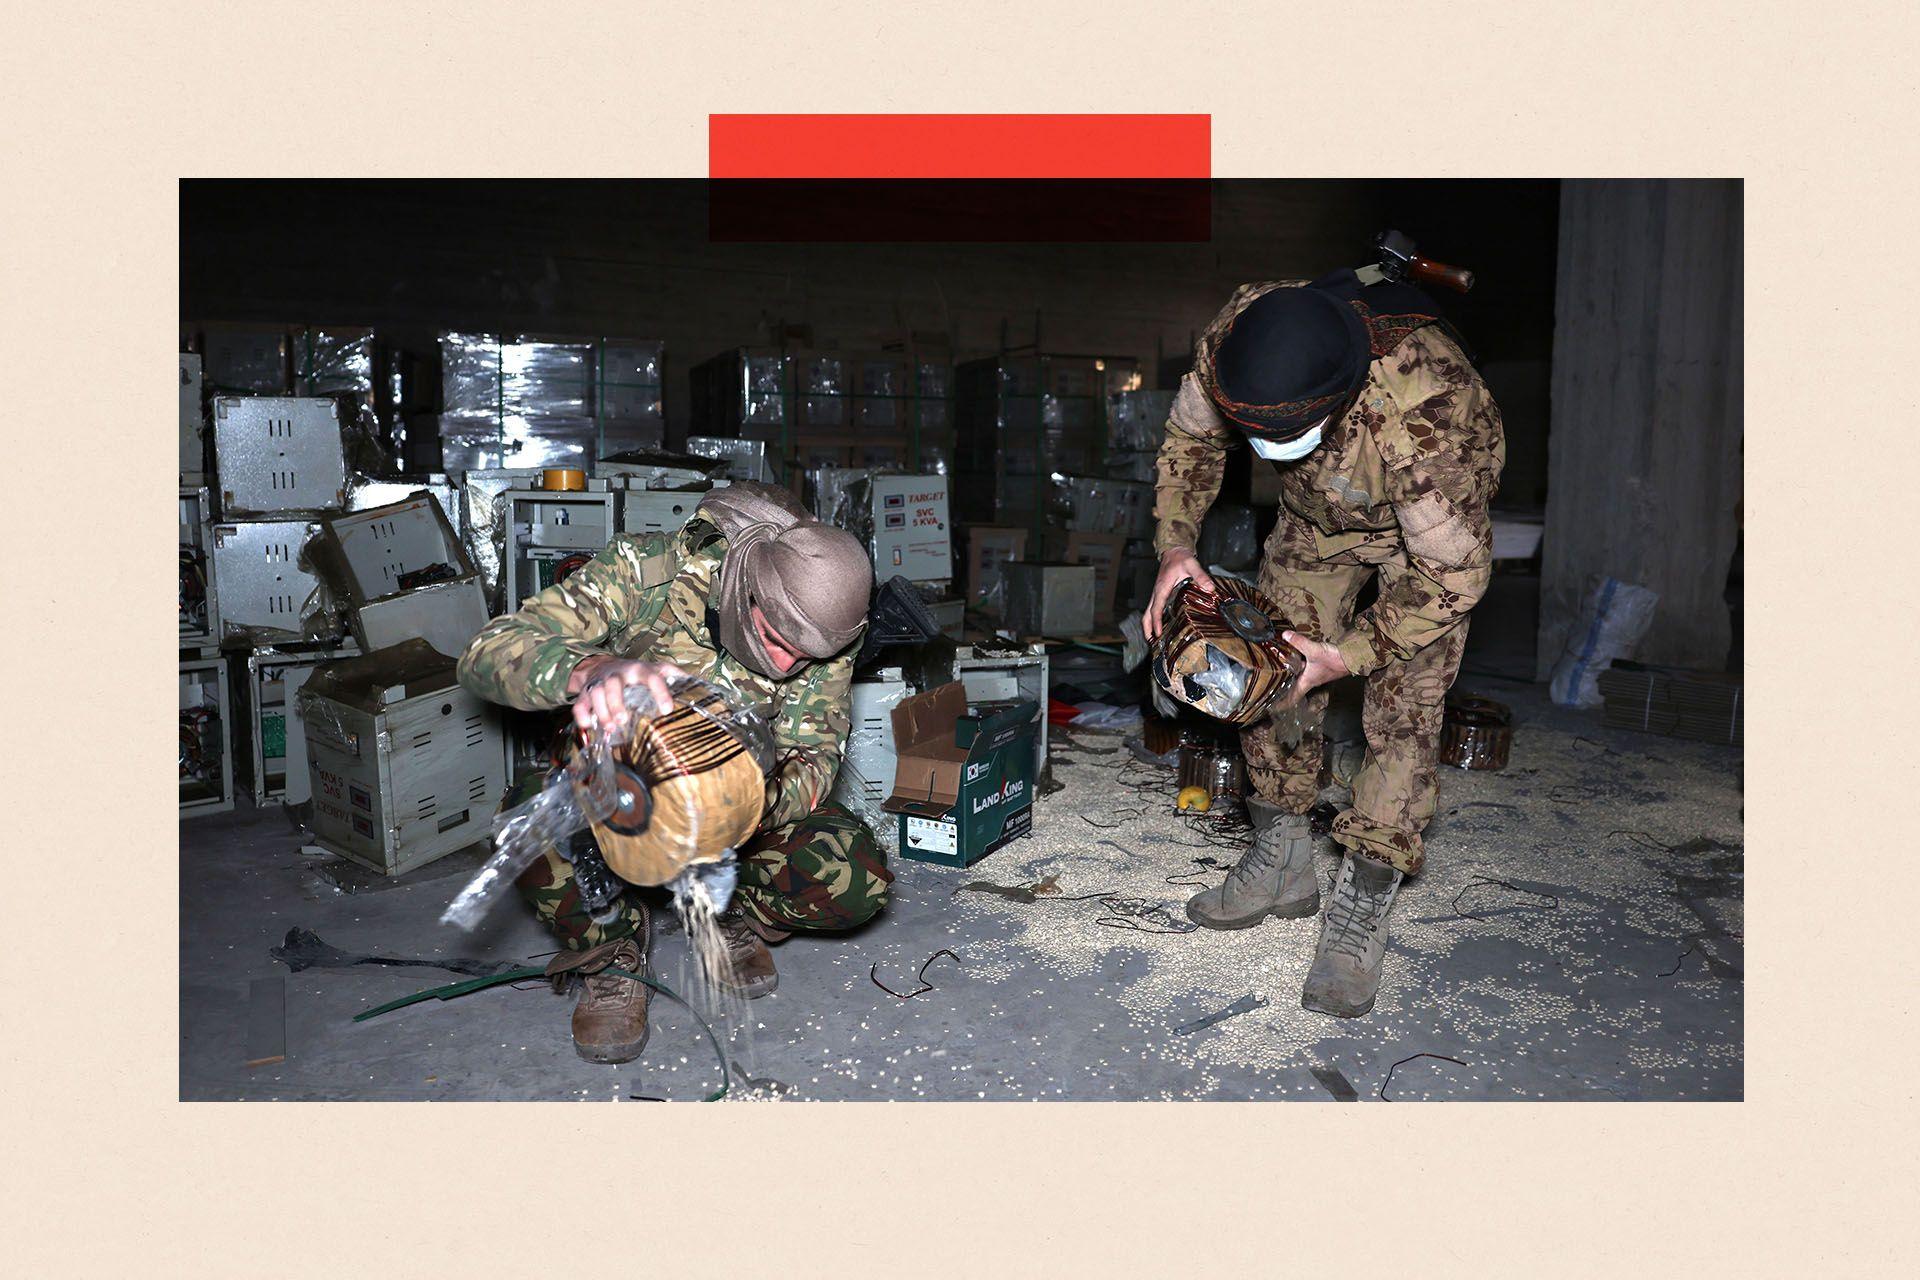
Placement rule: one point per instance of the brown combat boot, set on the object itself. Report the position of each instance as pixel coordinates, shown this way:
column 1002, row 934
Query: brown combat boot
column 610, row 1018
column 750, row 970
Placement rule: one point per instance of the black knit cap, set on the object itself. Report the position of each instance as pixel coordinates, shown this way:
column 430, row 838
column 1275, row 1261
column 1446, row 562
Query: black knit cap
column 1292, row 357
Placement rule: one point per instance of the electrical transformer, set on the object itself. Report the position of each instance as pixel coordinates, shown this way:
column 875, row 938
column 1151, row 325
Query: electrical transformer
column 399, row 572
column 276, row 455
column 865, row 778
column 279, row 735
column 199, row 601
column 1016, row 677
column 551, row 533
column 406, row 766
column 264, row 590
column 206, row 765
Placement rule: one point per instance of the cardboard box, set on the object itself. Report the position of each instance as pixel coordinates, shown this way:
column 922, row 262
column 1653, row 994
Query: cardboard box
column 1048, row 599
column 912, row 531
column 1103, row 551
column 1007, row 677
column 988, row 548
column 964, row 782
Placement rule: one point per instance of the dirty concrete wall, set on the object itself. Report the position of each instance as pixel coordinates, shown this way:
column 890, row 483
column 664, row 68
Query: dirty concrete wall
column 1644, row 463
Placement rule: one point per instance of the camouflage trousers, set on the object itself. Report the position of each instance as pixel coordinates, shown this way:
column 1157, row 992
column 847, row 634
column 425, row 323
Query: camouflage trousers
column 822, row 873
column 1314, row 578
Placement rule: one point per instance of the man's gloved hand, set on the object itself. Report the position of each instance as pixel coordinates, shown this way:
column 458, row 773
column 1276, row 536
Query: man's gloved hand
column 1177, row 565
column 599, row 687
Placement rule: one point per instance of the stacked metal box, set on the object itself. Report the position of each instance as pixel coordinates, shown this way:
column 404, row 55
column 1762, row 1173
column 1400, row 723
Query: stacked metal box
column 818, row 409
column 521, row 401
column 277, row 733
column 406, row 765
column 399, row 572
column 206, row 717
column 551, row 533
column 279, row 464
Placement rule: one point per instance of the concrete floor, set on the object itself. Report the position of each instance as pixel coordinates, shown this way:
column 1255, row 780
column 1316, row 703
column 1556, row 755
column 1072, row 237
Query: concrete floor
column 1607, row 966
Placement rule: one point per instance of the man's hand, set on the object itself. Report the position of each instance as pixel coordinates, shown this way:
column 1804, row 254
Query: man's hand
column 1324, row 665
column 1177, row 564
column 599, row 687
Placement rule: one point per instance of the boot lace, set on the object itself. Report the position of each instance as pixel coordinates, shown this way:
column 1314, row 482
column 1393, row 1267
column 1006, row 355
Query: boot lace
column 610, row 988
column 1259, row 859
column 1353, row 919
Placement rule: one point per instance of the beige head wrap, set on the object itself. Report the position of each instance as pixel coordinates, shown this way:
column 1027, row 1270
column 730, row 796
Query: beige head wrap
column 811, row 580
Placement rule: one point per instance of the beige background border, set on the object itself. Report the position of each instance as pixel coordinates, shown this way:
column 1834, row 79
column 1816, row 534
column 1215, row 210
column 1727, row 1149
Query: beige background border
column 106, row 1174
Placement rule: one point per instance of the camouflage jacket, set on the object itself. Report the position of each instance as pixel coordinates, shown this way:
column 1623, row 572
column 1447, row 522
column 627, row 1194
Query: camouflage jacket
column 646, row 597
column 1414, row 464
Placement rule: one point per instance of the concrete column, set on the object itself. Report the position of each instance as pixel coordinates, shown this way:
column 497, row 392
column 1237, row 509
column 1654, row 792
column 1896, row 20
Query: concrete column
column 1644, row 453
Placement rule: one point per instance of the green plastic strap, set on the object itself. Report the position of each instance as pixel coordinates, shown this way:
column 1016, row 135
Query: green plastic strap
column 454, row 990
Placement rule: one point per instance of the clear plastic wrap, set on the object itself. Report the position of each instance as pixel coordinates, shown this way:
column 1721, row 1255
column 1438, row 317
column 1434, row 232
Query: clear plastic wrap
column 332, row 361
column 1137, row 420
column 365, row 492
column 1223, row 684
column 823, row 392
column 483, row 521
column 516, row 402
column 628, row 399
column 589, row 791
column 1229, row 537
column 764, row 390
column 745, row 459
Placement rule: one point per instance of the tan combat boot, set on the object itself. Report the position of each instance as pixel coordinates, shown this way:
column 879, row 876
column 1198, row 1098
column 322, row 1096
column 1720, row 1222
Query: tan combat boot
column 750, row 971
column 610, row 1017
column 1345, row 975
column 1273, row 878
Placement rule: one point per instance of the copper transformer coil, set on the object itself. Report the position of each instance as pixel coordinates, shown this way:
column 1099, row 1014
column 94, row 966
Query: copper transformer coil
column 1477, row 733
column 688, row 789
column 1221, row 653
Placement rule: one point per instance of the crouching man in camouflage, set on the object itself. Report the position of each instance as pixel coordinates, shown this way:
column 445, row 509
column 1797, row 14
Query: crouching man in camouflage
column 765, row 604
column 1389, row 450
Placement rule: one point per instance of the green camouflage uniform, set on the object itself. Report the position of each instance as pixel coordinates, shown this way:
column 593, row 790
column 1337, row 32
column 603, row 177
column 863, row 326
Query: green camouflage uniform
column 646, row 597
column 1398, row 488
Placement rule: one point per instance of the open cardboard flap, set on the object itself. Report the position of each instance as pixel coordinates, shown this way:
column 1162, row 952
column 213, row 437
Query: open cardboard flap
column 926, row 779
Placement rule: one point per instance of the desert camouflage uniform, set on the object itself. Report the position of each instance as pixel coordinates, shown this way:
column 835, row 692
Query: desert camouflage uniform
column 646, row 597
column 1399, row 487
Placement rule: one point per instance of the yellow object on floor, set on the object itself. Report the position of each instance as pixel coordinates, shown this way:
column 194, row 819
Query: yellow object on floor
column 1195, row 798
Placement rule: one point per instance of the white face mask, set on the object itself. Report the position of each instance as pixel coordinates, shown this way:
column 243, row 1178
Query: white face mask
column 1292, row 450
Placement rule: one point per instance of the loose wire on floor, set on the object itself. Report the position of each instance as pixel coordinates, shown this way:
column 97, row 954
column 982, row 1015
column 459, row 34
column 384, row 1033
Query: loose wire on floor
column 1478, row 882
column 1677, row 963
column 920, row 977
column 1404, row 1061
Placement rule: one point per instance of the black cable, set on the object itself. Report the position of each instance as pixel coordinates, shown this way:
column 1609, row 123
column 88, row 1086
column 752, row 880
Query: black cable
column 1502, row 884
column 920, row 977
column 1404, row 1061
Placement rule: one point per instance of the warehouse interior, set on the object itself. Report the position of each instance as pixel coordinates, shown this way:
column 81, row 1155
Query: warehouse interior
column 437, row 348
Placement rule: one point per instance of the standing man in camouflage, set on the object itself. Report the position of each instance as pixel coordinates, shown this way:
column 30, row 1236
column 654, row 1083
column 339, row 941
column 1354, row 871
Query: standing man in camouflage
column 765, row 604
column 1389, row 449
